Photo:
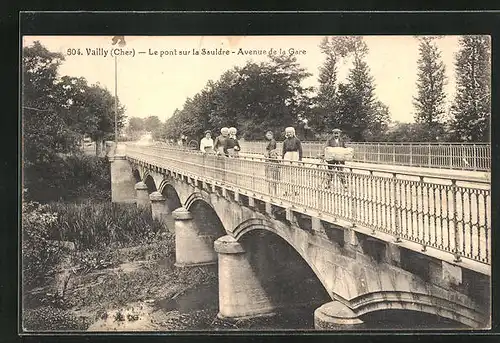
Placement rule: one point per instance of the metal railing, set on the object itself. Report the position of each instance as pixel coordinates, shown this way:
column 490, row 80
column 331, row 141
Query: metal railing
column 453, row 216
column 463, row 156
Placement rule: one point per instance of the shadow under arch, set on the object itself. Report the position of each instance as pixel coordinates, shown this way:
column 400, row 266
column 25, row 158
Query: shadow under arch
column 171, row 196
column 205, row 217
column 136, row 175
column 258, row 224
column 416, row 309
column 150, row 183
column 290, row 283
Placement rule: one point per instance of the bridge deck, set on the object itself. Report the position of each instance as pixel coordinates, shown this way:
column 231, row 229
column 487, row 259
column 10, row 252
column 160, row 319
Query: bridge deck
column 450, row 216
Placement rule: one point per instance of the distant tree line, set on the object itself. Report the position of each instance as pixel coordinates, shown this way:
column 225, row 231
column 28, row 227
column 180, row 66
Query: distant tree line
column 269, row 96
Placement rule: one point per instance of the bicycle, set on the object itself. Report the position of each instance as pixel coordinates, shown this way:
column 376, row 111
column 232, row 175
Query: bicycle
column 336, row 172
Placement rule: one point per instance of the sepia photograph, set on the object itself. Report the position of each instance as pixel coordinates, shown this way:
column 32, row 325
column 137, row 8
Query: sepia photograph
column 255, row 183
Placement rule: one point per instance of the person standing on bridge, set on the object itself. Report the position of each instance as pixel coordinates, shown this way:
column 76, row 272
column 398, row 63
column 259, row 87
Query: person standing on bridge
column 272, row 170
column 292, row 151
column 271, row 148
column 207, row 143
column 233, row 146
column 220, row 144
column 292, row 147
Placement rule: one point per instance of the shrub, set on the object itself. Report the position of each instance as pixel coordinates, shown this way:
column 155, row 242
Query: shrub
column 100, row 225
column 70, row 178
column 40, row 255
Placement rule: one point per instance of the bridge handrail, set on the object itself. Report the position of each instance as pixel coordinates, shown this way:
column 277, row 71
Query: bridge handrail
column 319, row 164
column 463, row 156
column 452, row 218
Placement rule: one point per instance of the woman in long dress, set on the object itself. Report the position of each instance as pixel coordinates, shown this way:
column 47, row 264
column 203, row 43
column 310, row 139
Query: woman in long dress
column 292, row 151
column 233, row 146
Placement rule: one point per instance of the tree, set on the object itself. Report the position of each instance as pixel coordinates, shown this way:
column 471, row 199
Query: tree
column 359, row 114
column 101, row 104
column 57, row 112
column 349, row 105
column 152, row 123
column 44, row 131
column 136, row 124
column 404, row 132
column 471, row 109
column 337, row 50
column 254, row 98
column 430, row 101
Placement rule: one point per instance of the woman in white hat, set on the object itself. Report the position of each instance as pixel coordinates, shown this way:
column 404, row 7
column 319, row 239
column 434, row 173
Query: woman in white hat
column 292, row 147
column 220, row 144
column 292, row 151
column 233, row 146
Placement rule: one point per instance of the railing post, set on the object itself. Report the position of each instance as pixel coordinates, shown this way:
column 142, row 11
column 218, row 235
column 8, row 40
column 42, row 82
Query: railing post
column 396, row 208
column 455, row 220
column 429, row 155
column 378, row 152
column 394, row 154
column 474, row 156
column 451, row 155
column 352, row 193
column 411, row 155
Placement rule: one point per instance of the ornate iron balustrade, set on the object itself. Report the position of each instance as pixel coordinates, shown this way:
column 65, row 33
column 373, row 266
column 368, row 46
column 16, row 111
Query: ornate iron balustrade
column 463, row 156
column 449, row 215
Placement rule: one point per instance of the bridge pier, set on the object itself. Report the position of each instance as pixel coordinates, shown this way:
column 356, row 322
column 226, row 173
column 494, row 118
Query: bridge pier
column 241, row 294
column 142, row 196
column 336, row 316
column 159, row 209
column 122, row 181
column 191, row 247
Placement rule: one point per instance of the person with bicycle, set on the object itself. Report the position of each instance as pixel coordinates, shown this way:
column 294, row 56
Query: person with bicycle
column 335, row 141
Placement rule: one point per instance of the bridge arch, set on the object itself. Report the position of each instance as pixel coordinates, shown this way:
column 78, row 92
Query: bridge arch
column 258, row 224
column 205, row 217
column 368, row 304
column 170, row 194
column 288, row 279
column 136, row 174
column 150, row 182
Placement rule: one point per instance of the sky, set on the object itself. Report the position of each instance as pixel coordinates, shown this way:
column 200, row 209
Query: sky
column 149, row 84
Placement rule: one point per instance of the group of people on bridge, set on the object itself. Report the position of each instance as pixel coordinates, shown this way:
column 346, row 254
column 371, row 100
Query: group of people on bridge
column 227, row 144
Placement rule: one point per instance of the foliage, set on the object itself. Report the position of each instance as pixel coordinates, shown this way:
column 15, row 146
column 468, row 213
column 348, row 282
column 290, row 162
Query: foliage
column 57, row 113
column 472, row 104
column 152, row 123
column 253, row 98
column 430, row 101
column 350, row 106
column 99, row 225
column 139, row 126
column 404, row 132
column 39, row 255
column 68, row 177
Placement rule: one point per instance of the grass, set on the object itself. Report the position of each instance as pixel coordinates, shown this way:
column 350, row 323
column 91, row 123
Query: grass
column 94, row 226
column 107, row 238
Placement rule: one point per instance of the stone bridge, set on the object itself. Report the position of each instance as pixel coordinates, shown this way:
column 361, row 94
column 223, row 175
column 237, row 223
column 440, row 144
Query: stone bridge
column 271, row 256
